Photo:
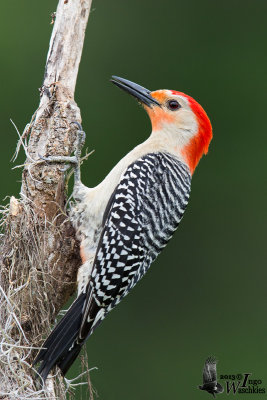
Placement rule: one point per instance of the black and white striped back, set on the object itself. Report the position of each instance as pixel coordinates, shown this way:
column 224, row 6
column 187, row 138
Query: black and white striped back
column 141, row 217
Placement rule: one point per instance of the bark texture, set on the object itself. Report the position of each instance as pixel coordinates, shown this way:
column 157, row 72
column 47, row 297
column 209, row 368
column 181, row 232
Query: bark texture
column 39, row 254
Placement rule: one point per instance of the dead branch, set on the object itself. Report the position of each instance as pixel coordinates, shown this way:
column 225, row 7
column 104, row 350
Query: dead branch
column 39, row 253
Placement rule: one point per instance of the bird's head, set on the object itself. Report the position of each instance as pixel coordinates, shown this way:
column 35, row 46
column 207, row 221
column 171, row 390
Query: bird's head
column 176, row 117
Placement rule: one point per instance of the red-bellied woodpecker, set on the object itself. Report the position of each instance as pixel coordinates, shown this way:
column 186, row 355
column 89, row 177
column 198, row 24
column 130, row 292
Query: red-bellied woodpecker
column 125, row 221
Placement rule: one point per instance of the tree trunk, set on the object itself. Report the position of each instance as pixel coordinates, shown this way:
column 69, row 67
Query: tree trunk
column 39, row 254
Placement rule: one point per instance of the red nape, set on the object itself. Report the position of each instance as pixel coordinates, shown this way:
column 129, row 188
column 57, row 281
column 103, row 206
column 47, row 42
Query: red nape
column 199, row 144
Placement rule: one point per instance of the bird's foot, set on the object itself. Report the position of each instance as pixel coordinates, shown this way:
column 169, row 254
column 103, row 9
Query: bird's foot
column 60, row 159
column 75, row 160
column 80, row 140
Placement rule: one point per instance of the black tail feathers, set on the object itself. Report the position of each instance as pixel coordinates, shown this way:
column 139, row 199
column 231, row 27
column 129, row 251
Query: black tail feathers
column 61, row 348
column 66, row 362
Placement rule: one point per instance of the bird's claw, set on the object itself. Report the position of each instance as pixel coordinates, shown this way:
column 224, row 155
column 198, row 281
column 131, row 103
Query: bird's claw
column 43, row 158
column 65, row 168
column 72, row 160
column 78, row 124
column 80, row 140
column 60, row 159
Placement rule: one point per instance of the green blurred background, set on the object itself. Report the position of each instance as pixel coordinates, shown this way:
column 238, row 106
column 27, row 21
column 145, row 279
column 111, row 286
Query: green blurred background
column 206, row 294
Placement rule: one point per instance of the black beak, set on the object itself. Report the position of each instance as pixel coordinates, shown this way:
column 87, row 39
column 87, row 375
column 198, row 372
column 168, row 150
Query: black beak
column 141, row 93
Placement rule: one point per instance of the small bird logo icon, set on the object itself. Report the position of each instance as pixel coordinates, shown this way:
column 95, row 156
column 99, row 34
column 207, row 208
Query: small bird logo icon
column 210, row 383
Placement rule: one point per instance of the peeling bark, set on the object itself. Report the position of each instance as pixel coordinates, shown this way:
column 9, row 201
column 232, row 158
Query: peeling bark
column 39, row 254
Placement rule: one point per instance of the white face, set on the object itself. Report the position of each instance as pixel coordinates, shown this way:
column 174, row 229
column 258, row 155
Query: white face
column 174, row 118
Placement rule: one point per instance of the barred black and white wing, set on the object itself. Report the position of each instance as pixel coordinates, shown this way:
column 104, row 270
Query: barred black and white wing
column 141, row 217
column 145, row 210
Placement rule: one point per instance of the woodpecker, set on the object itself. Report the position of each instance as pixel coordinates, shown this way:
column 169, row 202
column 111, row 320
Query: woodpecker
column 125, row 221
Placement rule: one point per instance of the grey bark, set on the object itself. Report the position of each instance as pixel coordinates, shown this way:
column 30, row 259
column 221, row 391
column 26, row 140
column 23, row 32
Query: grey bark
column 39, row 254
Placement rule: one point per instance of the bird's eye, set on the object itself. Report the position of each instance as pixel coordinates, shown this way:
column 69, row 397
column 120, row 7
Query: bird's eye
column 173, row 105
